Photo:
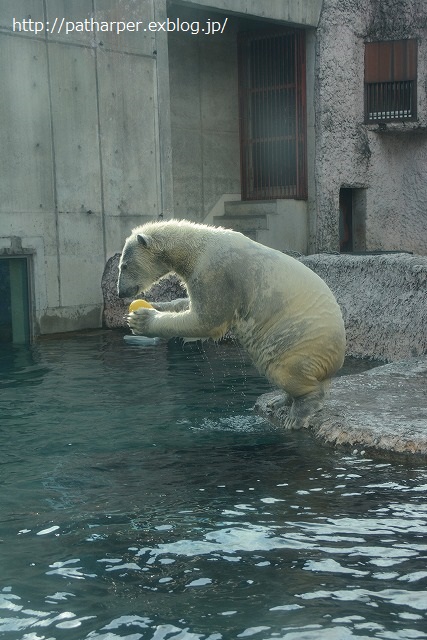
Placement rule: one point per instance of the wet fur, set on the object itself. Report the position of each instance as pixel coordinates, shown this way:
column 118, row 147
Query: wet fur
column 281, row 311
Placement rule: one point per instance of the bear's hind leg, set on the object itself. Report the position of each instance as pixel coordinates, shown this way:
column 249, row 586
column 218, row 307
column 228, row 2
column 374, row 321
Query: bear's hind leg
column 304, row 407
column 281, row 400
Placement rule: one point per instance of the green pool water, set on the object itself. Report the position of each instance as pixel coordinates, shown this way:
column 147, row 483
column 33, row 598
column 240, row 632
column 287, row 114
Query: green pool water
column 141, row 498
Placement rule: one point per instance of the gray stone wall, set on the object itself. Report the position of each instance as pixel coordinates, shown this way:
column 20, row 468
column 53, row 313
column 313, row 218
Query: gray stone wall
column 383, row 302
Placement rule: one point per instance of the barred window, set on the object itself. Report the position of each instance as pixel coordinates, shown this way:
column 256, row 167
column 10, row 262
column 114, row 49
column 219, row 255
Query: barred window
column 390, row 81
column 272, row 104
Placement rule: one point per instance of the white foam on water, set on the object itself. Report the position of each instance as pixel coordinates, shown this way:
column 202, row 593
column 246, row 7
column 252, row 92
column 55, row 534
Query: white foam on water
column 200, row 582
column 332, row 566
column 45, row 532
column 231, row 540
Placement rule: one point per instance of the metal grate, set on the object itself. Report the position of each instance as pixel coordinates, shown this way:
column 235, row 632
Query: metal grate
column 272, row 106
column 388, row 101
column 391, row 80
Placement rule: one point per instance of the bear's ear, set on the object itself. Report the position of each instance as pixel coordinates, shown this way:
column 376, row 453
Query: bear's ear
column 143, row 240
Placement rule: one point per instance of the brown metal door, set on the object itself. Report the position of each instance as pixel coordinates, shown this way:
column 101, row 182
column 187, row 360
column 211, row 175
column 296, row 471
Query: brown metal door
column 272, row 110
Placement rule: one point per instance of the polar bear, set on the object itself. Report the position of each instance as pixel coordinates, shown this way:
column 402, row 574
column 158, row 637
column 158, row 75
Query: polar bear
column 283, row 314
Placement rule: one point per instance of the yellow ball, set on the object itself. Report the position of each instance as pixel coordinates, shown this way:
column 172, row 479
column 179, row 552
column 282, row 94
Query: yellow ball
column 137, row 304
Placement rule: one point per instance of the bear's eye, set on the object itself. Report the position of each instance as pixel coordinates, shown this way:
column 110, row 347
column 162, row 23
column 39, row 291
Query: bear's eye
column 124, row 267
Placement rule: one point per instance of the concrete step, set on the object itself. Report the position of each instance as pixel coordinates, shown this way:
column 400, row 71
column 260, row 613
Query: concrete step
column 248, row 217
column 243, row 223
column 279, row 224
column 250, row 207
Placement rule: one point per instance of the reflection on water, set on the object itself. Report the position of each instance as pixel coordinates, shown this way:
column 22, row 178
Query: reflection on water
column 142, row 499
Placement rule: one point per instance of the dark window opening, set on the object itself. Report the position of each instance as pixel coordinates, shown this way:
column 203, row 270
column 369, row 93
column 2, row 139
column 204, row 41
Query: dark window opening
column 272, row 114
column 390, row 81
column 346, row 220
column 352, row 219
column 14, row 301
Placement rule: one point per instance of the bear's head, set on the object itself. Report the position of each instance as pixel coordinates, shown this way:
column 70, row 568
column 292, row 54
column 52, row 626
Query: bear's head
column 140, row 265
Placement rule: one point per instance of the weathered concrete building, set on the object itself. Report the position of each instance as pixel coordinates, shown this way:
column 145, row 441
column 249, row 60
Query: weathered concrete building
column 301, row 122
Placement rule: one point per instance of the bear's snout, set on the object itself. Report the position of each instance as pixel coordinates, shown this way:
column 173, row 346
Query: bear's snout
column 127, row 292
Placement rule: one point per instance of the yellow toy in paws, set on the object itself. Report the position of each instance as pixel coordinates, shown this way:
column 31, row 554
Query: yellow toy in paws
column 140, row 340
column 137, row 304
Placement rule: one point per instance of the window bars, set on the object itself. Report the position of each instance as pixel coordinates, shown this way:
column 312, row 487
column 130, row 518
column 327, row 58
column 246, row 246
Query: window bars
column 390, row 81
column 272, row 107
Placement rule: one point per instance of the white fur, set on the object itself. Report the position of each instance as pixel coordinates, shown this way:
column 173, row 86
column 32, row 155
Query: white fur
column 281, row 311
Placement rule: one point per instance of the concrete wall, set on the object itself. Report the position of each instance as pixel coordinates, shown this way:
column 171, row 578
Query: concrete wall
column 204, row 114
column 79, row 130
column 99, row 140
column 390, row 165
column 297, row 12
column 204, row 119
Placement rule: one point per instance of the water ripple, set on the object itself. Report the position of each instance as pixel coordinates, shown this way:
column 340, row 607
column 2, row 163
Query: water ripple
column 156, row 506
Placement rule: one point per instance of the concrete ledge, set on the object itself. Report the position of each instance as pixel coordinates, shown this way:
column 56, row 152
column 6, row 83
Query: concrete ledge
column 71, row 318
column 383, row 409
column 291, row 11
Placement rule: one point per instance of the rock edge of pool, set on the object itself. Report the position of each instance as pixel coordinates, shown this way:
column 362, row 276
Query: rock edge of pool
column 383, row 409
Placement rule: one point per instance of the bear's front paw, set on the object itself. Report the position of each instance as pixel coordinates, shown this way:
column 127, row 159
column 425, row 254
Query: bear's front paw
column 140, row 321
